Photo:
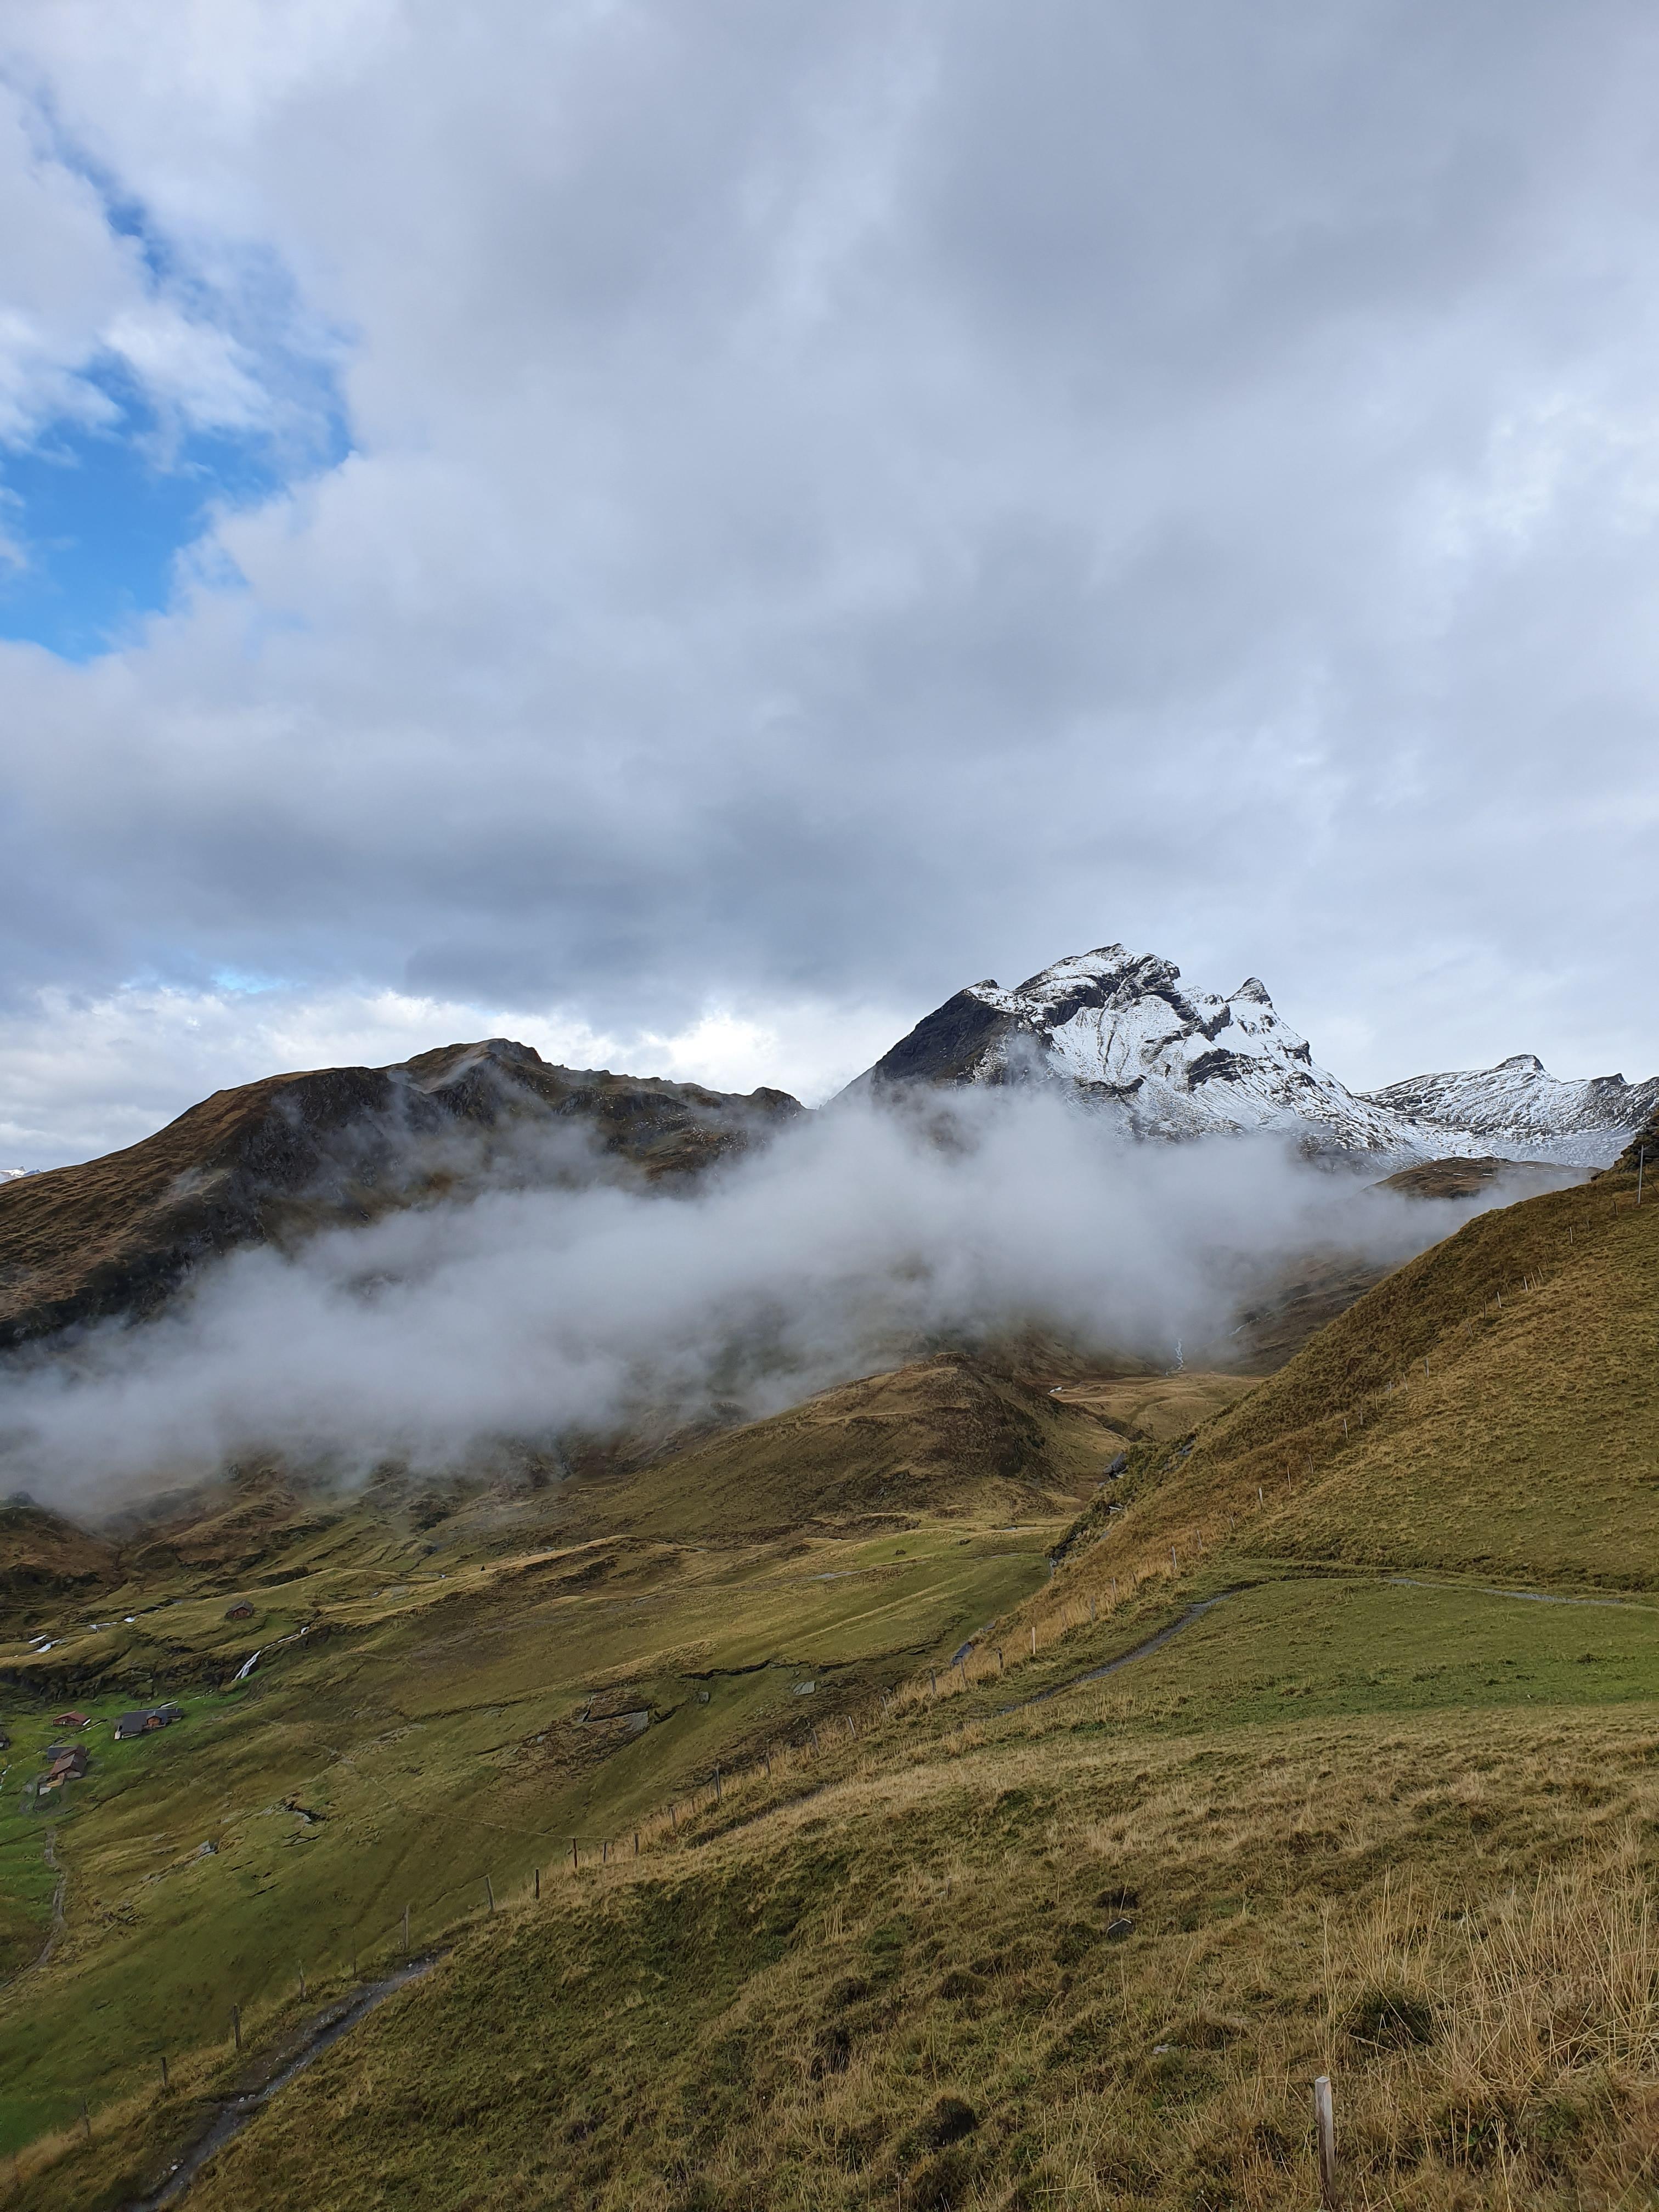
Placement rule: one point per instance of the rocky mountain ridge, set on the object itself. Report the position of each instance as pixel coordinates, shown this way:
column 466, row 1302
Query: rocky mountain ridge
column 281, row 1158
column 1521, row 1101
column 1119, row 1030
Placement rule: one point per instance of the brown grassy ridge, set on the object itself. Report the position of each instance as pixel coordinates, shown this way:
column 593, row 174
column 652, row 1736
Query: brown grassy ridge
column 1528, row 1447
column 281, row 1157
column 950, row 1433
column 917, row 1988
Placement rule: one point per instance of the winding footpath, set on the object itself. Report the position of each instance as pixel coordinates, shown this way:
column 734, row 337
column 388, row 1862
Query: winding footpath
column 232, row 2114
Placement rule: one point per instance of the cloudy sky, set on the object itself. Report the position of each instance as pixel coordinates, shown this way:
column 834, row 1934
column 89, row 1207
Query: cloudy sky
column 685, row 532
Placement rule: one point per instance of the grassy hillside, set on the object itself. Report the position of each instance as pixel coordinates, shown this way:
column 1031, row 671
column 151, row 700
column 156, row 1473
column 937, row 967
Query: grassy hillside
column 452, row 1690
column 1060, row 1925
column 1491, row 1409
column 948, row 1434
column 1091, row 1951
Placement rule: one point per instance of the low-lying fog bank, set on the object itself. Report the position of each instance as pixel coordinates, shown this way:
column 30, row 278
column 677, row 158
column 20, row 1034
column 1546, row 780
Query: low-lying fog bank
column 437, row 1333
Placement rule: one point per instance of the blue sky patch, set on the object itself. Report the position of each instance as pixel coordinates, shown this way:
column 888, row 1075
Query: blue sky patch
column 99, row 514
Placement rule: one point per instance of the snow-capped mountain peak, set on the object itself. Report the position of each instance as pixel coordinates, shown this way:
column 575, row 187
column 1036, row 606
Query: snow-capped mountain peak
column 1121, row 1029
column 1117, row 1017
column 1120, row 1032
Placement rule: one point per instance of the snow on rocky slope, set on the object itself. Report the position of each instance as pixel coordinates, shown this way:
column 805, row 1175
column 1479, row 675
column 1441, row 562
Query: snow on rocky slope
column 1119, row 1027
column 1520, row 1104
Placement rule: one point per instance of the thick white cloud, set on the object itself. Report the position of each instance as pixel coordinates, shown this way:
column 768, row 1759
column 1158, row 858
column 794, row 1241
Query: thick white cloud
column 534, row 1311
column 76, row 297
column 846, row 500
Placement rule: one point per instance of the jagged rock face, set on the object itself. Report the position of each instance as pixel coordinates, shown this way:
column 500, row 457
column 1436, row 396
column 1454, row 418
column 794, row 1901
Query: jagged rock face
column 1519, row 1100
column 1118, row 1031
column 1118, row 1027
column 276, row 1160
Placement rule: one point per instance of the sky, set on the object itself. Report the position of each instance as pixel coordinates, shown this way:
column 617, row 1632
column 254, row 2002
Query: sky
column 686, row 535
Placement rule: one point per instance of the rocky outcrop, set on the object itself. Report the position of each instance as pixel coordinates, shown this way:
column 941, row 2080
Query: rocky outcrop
column 1641, row 1152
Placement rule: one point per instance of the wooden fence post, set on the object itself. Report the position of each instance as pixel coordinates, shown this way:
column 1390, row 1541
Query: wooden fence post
column 164, row 2073
column 236, row 2024
column 1325, row 2123
column 1034, row 1639
column 302, row 1980
column 538, row 1885
column 636, row 1842
column 489, row 1893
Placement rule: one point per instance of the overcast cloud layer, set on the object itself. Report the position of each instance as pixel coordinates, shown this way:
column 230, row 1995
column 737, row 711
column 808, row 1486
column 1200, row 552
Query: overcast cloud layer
column 842, row 500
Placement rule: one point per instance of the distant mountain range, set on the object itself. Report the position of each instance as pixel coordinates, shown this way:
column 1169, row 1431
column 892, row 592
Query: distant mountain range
column 277, row 1160
column 1117, row 1030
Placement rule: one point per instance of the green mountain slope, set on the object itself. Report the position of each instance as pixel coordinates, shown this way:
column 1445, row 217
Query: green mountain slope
column 1492, row 1408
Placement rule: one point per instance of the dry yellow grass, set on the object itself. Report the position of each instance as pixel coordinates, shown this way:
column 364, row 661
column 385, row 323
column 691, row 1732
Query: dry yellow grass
column 903, row 1989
